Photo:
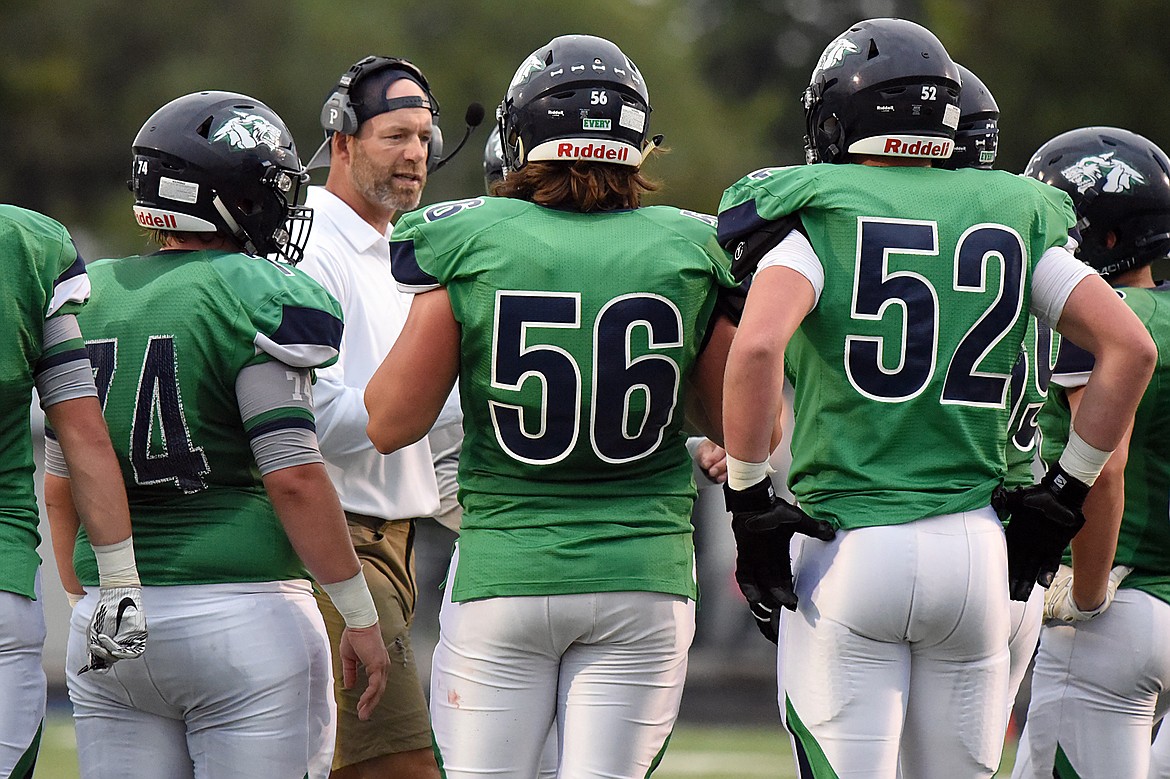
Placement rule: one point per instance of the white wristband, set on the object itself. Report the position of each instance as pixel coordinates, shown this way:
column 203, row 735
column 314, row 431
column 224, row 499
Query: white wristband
column 74, row 598
column 353, row 600
column 115, row 564
column 1082, row 461
column 741, row 475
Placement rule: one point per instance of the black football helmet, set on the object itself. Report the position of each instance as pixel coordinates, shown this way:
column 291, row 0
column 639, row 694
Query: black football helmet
column 1119, row 183
column 493, row 159
column 977, row 139
column 578, row 97
column 222, row 162
column 885, row 87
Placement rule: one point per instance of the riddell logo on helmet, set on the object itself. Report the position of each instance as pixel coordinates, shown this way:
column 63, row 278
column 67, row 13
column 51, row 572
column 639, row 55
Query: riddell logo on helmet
column 597, row 149
column 904, row 146
column 591, row 151
column 156, row 220
column 918, row 148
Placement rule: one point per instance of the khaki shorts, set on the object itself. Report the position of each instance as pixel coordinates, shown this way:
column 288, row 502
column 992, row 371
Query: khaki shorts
column 400, row 723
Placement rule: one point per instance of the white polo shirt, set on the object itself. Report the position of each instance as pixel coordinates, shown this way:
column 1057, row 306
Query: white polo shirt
column 352, row 260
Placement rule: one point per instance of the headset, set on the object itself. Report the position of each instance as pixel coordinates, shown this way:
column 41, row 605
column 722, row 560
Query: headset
column 339, row 114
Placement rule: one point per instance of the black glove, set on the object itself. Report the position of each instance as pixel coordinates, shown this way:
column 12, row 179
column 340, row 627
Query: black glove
column 763, row 525
column 1042, row 518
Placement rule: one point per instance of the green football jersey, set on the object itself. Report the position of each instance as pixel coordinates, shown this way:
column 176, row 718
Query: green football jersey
column 168, row 334
column 579, row 332
column 43, row 278
column 1143, row 541
column 902, row 369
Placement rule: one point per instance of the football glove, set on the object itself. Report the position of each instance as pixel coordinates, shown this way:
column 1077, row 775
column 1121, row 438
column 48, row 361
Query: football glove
column 1059, row 603
column 1043, row 519
column 763, row 525
column 118, row 628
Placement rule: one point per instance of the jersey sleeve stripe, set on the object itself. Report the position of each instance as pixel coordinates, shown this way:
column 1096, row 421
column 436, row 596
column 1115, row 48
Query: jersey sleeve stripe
column 737, row 223
column 300, row 325
column 72, row 286
column 281, row 423
column 404, row 267
column 63, row 371
column 306, row 338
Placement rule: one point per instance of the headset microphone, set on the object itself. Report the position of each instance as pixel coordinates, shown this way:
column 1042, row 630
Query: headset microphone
column 472, row 118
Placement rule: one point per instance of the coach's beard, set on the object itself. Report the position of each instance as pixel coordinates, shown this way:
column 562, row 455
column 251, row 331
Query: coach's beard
column 400, row 191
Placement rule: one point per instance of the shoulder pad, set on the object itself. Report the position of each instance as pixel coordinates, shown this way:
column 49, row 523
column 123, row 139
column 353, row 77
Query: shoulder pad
column 748, row 249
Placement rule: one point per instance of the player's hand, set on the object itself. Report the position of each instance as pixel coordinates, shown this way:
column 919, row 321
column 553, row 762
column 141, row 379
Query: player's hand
column 118, row 628
column 365, row 646
column 712, row 460
column 763, row 526
column 1059, row 603
column 1043, row 519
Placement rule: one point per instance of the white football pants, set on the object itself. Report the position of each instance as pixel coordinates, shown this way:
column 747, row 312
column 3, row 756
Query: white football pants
column 22, row 677
column 1097, row 689
column 897, row 653
column 235, row 682
column 609, row 667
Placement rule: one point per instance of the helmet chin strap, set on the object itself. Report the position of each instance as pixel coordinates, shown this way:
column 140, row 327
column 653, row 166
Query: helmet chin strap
column 651, row 145
column 234, row 226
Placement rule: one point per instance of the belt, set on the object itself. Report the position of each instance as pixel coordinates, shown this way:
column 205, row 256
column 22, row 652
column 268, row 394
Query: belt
column 366, row 521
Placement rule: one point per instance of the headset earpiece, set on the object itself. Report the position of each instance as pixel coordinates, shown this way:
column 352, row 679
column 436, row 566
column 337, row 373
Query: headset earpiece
column 435, row 147
column 337, row 115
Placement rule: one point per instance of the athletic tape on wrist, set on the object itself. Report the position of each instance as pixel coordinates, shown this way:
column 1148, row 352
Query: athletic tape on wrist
column 1081, row 460
column 741, row 475
column 353, row 601
column 115, row 564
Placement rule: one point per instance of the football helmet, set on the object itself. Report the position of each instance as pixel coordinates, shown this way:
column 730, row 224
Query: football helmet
column 578, row 97
column 222, row 162
column 977, row 139
column 885, row 87
column 1119, row 183
column 493, row 160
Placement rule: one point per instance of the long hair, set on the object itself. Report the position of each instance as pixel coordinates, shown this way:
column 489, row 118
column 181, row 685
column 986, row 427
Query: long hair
column 579, row 186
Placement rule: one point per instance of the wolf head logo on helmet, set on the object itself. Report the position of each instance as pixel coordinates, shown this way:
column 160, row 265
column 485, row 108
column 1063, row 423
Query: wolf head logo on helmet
column 1119, row 183
column 836, row 52
column 247, row 131
column 1114, row 175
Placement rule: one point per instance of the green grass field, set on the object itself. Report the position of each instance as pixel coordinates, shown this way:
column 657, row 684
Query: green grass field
column 696, row 752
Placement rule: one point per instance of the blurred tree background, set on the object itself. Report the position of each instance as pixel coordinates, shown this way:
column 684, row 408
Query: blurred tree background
column 77, row 79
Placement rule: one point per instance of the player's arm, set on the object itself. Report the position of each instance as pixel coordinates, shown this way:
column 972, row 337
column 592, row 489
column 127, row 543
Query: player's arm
column 98, row 500
column 308, row 508
column 1097, row 320
column 763, row 524
column 407, row 392
column 63, row 525
column 1094, row 547
column 338, row 408
column 64, row 382
column 1047, row 516
column 276, row 408
column 779, row 300
column 705, row 399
